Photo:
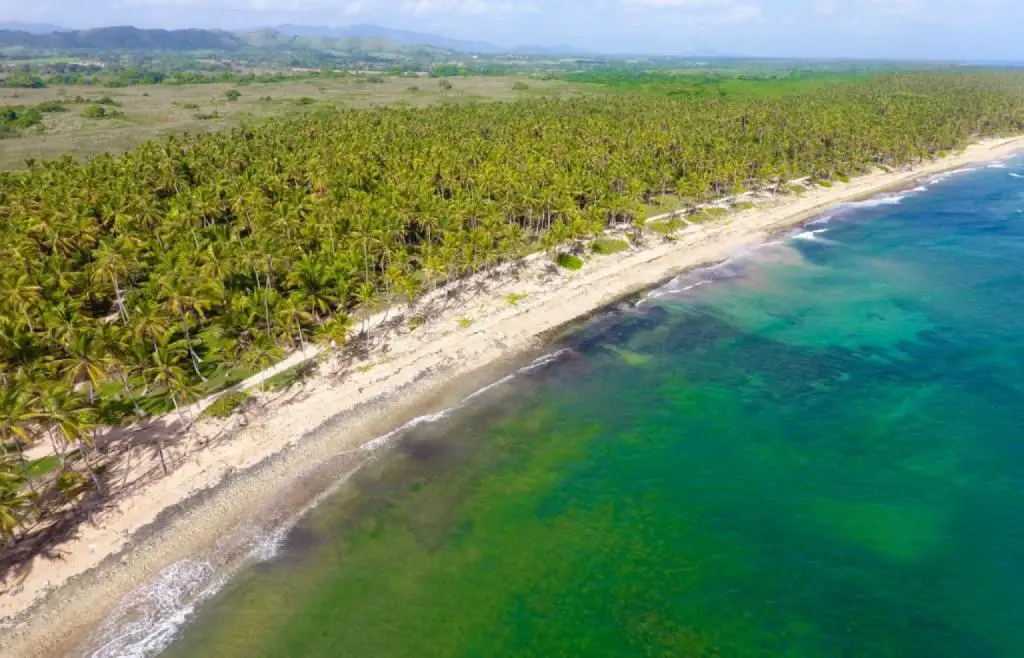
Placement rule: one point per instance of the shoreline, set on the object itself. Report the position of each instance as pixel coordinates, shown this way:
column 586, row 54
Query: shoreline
column 286, row 454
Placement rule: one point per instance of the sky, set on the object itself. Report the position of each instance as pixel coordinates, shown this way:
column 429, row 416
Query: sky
column 905, row 29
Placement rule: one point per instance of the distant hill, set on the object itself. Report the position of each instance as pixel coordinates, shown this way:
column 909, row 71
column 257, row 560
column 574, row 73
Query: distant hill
column 400, row 37
column 124, row 38
column 31, row 28
column 277, row 40
column 354, row 39
column 265, row 41
column 410, row 38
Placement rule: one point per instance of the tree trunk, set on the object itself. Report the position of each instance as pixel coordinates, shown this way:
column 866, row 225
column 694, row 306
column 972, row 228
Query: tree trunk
column 131, row 394
column 83, row 447
column 57, row 448
column 188, row 342
column 120, row 300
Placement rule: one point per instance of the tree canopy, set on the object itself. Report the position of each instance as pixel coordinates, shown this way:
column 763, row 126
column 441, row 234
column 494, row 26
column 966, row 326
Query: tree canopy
column 149, row 275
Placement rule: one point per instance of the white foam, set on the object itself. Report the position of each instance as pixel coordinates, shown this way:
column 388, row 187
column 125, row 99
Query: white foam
column 810, row 235
column 824, row 219
column 1016, row 175
column 998, row 165
column 877, row 201
column 938, row 178
column 385, row 439
column 539, row 362
column 146, row 622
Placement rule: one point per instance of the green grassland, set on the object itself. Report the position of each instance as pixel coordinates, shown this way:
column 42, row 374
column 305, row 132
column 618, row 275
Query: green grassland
column 155, row 111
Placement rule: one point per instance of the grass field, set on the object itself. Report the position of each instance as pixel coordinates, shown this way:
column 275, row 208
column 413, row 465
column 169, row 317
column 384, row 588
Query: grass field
column 154, row 111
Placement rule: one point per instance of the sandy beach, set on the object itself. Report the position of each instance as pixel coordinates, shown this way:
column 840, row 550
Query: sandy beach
column 267, row 464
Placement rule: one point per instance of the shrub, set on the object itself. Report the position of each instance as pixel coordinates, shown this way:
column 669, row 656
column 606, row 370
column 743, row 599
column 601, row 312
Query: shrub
column 705, row 216
column 415, row 322
column 305, row 100
column 207, row 116
column 465, row 322
column 520, row 86
column 190, row 106
column 569, row 261
column 515, row 298
column 23, row 80
column 665, row 226
column 291, row 376
column 226, row 405
column 107, row 100
column 17, row 116
column 445, row 85
column 51, row 106
column 232, row 95
column 412, row 89
column 94, row 111
column 608, row 246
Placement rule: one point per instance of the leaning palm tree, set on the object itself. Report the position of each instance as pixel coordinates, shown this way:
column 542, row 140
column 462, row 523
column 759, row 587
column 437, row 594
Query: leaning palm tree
column 333, row 333
column 292, row 314
column 167, row 374
column 261, row 353
column 17, row 501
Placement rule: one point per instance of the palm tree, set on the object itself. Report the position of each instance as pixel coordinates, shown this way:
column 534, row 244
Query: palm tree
column 260, row 353
column 88, row 360
column 183, row 297
column 111, row 267
column 165, row 372
column 16, row 504
column 292, row 313
column 22, row 295
column 334, row 332
column 67, row 418
column 241, row 242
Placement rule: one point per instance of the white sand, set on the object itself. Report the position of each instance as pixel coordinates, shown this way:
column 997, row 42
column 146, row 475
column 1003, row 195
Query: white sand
column 43, row 614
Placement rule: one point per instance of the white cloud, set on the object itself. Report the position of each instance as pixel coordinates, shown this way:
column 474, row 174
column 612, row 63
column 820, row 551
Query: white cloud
column 348, row 7
column 468, row 7
column 952, row 12
column 698, row 12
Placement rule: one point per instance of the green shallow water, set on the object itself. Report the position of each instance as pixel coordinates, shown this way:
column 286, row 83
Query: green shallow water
column 818, row 455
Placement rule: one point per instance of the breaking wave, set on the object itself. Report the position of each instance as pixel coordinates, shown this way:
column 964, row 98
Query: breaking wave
column 149, row 619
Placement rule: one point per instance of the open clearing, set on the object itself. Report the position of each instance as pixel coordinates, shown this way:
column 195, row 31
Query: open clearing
column 154, row 111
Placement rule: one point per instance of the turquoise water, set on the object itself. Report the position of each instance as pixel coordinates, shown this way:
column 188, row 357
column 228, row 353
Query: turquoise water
column 819, row 453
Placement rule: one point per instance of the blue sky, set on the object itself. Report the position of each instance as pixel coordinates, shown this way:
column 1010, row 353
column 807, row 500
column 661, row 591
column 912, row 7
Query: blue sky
column 923, row 29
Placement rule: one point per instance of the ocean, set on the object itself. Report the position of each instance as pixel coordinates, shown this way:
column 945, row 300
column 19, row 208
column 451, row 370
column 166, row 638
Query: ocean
column 813, row 450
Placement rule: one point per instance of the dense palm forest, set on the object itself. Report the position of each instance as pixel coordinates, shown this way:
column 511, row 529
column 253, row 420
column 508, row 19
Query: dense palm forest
column 133, row 284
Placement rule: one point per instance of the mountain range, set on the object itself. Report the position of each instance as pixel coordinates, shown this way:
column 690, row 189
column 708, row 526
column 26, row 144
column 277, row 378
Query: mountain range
column 31, row 28
column 401, row 37
column 33, row 35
